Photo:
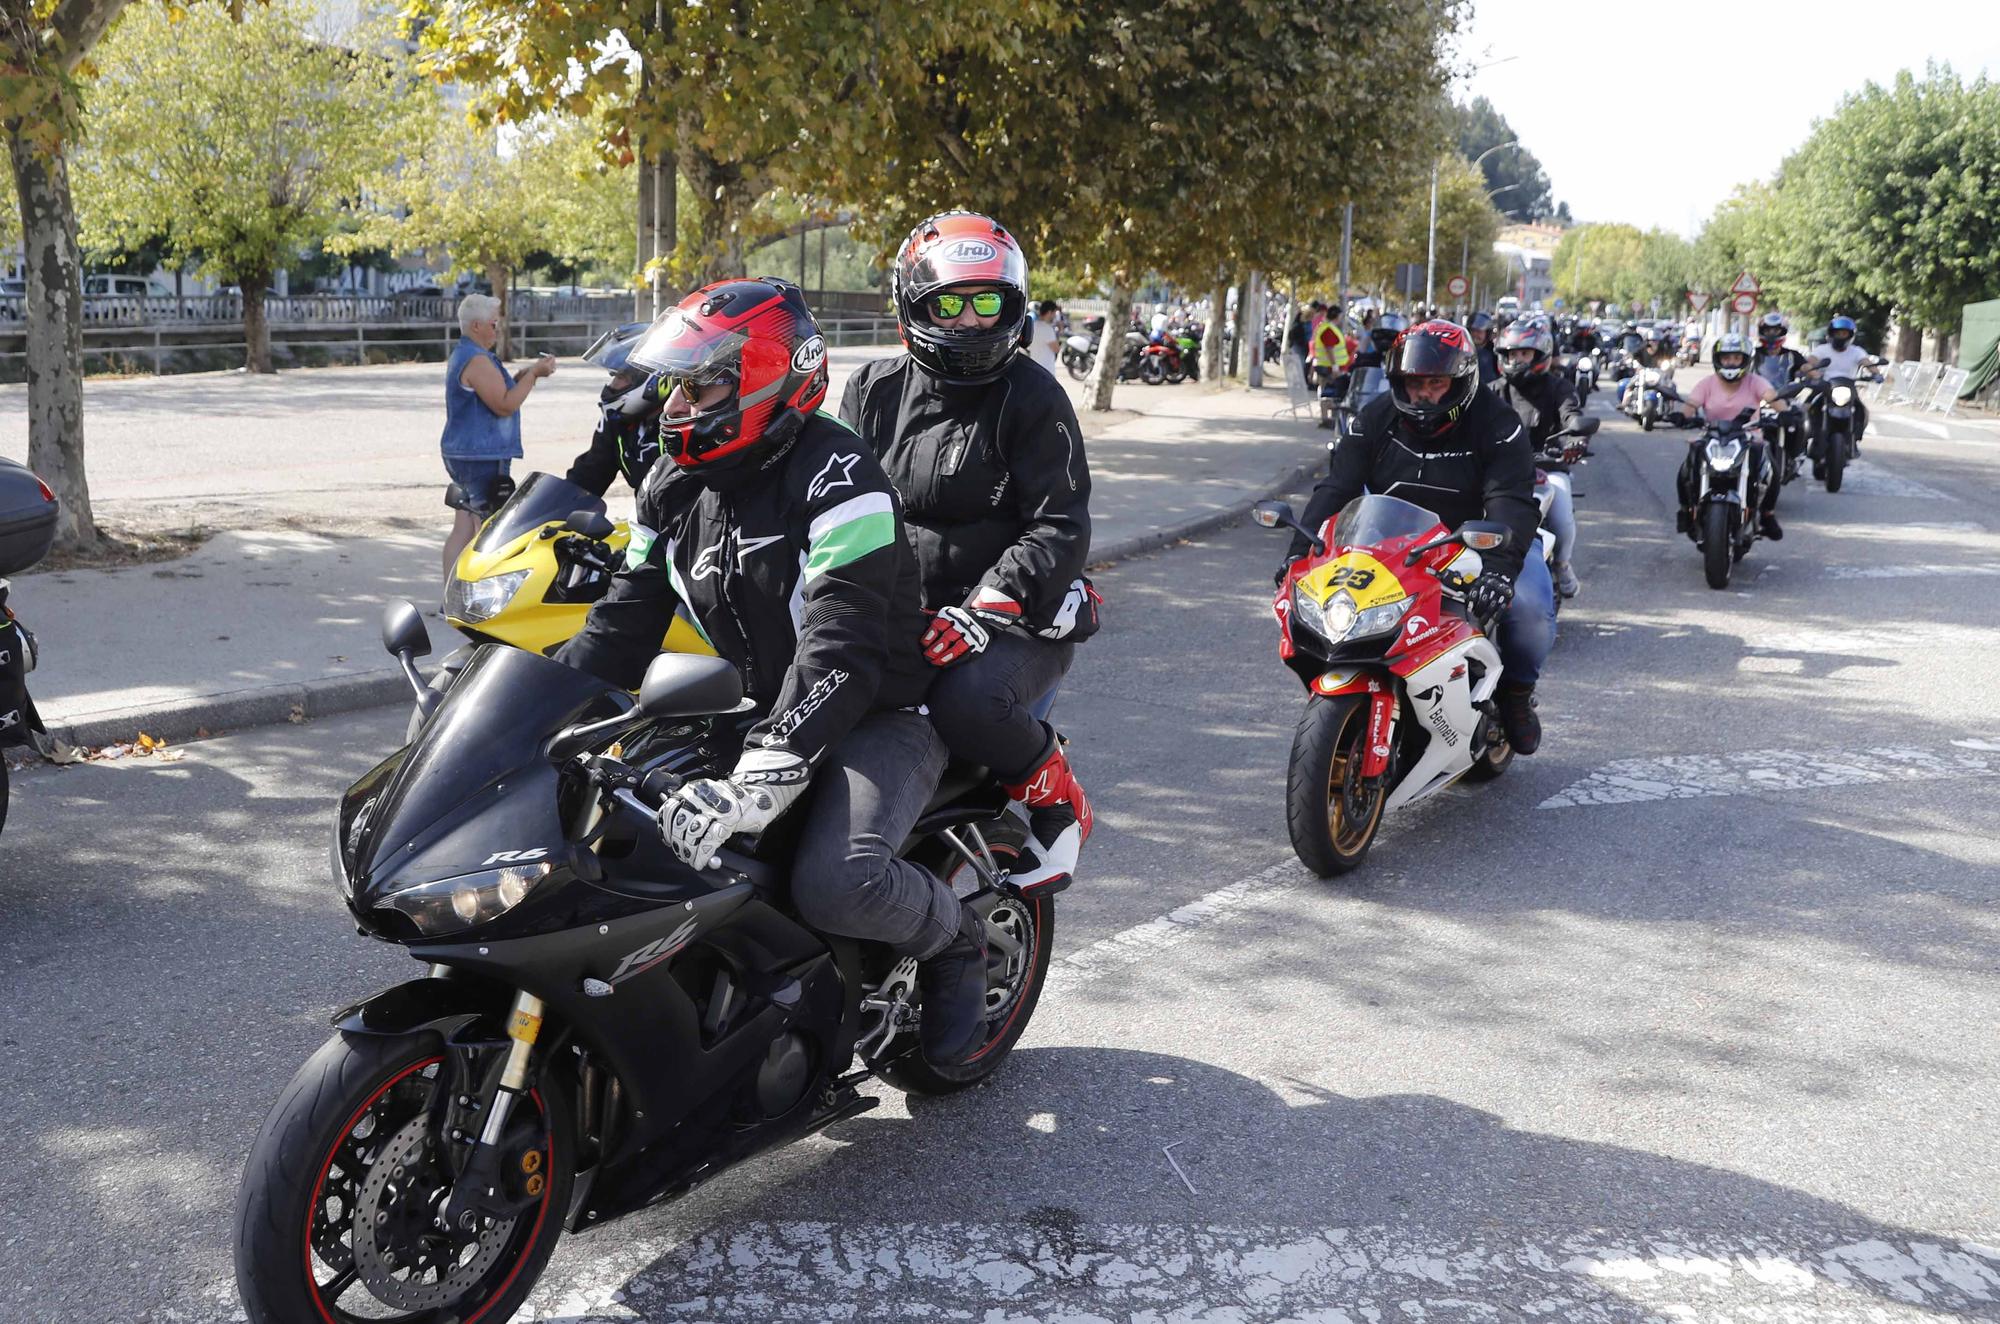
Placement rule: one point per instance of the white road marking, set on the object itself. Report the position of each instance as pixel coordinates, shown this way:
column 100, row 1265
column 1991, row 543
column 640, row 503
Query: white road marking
column 1911, row 571
column 1758, row 771
column 1865, row 479
column 1051, row 1266
column 1173, row 928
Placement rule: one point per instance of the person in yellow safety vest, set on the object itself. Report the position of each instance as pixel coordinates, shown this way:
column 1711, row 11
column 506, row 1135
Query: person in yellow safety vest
column 1330, row 360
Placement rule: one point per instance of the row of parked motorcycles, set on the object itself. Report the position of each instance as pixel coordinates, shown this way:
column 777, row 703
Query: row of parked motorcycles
column 1164, row 358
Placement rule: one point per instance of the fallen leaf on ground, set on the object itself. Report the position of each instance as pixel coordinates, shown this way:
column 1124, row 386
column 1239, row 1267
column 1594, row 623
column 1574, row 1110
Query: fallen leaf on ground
column 172, row 755
column 297, row 714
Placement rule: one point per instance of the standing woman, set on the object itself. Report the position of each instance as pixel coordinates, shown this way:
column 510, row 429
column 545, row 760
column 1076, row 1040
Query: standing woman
column 984, row 449
column 482, row 425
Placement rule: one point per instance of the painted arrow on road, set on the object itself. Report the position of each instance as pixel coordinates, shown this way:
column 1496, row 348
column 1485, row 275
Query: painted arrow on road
column 1691, row 776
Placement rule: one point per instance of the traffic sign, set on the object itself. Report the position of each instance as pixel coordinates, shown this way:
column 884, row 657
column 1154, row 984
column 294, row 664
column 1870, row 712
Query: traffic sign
column 1698, row 302
column 1745, row 304
column 1747, row 284
column 1458, row 287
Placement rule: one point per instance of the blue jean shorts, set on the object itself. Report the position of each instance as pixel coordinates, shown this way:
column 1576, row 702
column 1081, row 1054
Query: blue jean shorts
column 477, row 477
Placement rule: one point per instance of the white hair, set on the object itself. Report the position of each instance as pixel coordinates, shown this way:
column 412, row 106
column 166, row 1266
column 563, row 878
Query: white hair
column 476, row 308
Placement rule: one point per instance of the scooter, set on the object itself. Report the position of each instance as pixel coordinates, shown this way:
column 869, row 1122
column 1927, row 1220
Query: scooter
column 28, row 511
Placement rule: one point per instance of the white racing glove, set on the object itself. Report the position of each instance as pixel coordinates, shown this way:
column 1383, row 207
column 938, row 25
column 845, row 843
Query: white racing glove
column 957, row 633
column 699, row 817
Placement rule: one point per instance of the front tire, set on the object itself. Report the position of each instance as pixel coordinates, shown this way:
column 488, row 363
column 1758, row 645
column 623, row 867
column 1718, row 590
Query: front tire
column 1020, row 935
column 1079, row 366
column 1836, row 462
column 310, row 1183
column 1331, row 811
column 1716, row 557
column 3, row 790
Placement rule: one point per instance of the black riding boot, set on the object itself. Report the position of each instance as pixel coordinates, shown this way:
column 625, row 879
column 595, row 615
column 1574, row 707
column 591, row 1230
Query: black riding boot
column 953, row 983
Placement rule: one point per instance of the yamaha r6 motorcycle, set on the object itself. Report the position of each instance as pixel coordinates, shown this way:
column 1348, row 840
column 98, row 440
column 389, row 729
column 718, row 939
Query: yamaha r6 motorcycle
column 602, row 1027
column 1399, row 676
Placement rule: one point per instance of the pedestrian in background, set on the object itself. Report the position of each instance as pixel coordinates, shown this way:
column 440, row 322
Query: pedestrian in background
column 1043, row 335
column 482, row 423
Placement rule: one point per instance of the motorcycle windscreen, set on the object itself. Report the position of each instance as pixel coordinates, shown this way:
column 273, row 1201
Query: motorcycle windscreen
column 480, row 759
column 542, row 499
column 1372, row 519
column 1369, row 382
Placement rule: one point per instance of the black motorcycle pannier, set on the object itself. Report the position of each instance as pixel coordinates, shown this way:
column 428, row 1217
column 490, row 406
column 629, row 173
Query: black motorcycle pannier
column 27, row 518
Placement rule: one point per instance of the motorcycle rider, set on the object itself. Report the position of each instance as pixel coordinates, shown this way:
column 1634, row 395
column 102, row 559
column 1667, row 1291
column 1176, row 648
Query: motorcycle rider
column 1781, row 367
column 627, row 438
column 775, row 532
column 989, row 462
column 1547, row 405
column 1583, row 338
column 1439, row 440
column 1838, row 356
column 1718, row 399
column 1481, row 327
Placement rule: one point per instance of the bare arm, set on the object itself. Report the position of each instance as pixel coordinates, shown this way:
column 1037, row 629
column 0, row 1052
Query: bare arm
column 483, row 378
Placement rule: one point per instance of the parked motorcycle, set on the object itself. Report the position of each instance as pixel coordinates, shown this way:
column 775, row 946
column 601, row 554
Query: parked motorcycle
column 602, row 1028
column 1188, row 345
column 1079, row 350
column 28, row 511
column 530, row 576
column 1399, row 677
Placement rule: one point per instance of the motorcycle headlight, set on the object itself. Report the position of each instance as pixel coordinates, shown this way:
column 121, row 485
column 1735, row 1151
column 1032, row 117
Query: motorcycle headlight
column 482, row 599
column 1723, row 454
column 450, row 904
column 1843, row 394
column 1379, row 620
column 334, row 861
column 1306, row 612
column 1652, row 377
column 1586, row 364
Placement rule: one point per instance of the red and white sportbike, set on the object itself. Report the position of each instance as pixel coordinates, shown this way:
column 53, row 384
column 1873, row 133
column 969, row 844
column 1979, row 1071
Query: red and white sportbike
column 1399, row 676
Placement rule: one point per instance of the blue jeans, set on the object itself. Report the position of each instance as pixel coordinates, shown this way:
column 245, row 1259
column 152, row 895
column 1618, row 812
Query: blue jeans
column 1527, row 629
column 1562, row 518
column 477, row 477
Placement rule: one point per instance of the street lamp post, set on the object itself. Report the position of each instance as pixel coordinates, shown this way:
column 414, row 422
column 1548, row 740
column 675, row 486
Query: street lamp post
column 1430, row 252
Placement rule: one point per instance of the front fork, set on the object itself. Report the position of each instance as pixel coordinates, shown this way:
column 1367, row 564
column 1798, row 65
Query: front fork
column 481, row 1190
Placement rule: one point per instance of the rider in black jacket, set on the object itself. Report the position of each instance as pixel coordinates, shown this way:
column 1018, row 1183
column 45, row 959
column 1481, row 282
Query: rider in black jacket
column 775, row 532
column 1481, row 327
column 627, row 439
column 1781, row 367
column 1441, row 442
column 984, row 447
column 1546, row 404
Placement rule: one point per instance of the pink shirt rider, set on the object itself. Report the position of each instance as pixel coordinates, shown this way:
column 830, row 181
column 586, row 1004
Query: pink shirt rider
column 1721, row 401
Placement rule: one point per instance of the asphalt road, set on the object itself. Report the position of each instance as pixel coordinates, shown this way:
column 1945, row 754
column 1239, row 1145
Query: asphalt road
column 1689, row 1016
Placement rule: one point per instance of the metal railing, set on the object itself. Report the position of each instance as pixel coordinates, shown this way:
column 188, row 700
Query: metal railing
column 1927, row 387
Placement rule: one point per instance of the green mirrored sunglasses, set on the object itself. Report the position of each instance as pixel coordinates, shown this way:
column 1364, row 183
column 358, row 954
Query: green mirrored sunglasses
column 987, row 303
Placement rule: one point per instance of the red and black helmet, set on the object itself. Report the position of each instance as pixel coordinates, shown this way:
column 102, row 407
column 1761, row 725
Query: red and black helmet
column 1532, row 334
column 756, row 334
column 1437, row 348
column 960, row 248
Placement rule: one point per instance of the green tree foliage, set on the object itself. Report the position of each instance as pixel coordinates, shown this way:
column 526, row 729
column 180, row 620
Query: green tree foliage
column 1623, row 265
column 1514, row 175
column 1466, row 223
column 240, row 173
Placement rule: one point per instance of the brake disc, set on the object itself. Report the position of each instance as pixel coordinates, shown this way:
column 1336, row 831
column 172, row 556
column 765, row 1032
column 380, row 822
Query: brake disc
column 404, row 1259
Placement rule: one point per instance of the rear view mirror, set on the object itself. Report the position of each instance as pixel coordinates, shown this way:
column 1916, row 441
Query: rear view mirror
column 403, row 630
column 1272, row 514
column 685, row 685
column 589, row 523
column 1484, row 536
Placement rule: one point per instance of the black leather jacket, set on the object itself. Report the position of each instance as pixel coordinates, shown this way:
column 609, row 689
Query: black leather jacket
column 994, row 485
column 1546, row 403
column 621, row 445
column 799, row 572
column 1481, row 469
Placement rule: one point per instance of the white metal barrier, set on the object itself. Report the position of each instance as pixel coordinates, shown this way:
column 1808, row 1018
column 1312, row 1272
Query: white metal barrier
column 1298, row 393
column 1945, row 398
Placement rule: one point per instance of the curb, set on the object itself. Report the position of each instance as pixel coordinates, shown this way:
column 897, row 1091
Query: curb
column 238, row 710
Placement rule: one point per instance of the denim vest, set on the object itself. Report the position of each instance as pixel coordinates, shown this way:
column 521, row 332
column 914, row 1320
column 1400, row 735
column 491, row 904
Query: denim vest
column 471, row 430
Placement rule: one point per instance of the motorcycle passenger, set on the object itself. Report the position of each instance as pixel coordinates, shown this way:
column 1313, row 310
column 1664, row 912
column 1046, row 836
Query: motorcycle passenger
column 1781, row 367
column 776, row 533
column 1546, row 404
column 1719, row 399
column 1440, row 441
column 1838, row 356
column 989, row 462
column 627, row 439
column 1481, row 327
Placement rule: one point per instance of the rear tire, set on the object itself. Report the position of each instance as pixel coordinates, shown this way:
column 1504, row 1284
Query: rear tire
column 1331, row 812
column 1836, row 462
column 3, row 790
column 1019, row 930
column 1079, row 366
column 1716, row 557
column 311, row 1167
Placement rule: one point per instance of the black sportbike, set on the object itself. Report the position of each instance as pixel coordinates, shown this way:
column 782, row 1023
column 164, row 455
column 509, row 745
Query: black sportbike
column 28, row 510
column 601, row 1027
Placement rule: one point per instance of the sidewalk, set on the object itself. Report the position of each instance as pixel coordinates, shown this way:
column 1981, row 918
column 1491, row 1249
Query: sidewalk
column 270, row 625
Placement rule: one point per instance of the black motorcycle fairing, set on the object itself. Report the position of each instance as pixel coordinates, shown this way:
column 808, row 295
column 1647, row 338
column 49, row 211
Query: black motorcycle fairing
column 430, row 1003
column 540, row 499
column 459, row 800
column 19, row 722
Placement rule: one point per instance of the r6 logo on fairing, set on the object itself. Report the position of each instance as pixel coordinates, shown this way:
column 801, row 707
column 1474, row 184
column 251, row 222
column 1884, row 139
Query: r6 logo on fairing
column 1351, row 576
column 516, row 856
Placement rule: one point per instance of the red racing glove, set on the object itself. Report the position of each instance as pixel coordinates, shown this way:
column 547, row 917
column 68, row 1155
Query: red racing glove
column 957, row 633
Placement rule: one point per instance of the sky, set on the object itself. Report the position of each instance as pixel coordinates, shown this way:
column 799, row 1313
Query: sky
column 1652, row 113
